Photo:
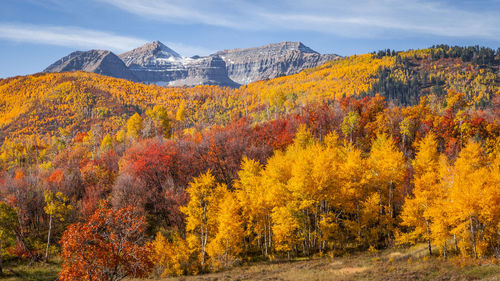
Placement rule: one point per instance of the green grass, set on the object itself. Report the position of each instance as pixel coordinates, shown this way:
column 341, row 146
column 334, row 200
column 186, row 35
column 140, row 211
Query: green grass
column 35, row 272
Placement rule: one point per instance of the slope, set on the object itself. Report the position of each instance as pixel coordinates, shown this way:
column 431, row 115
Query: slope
column 75, row 101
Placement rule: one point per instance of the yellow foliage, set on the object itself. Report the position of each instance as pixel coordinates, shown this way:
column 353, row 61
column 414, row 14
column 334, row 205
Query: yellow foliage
column 170, row 257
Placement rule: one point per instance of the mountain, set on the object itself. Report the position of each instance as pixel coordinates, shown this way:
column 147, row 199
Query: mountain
column 151, row 55
column 155, row 63
column 43, row 103
column 98, row 61
column 249, row 65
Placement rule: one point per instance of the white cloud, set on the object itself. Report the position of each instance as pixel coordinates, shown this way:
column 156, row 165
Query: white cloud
column 354, row 18
column 76, row 37
column 68, row 37
column 225, row 13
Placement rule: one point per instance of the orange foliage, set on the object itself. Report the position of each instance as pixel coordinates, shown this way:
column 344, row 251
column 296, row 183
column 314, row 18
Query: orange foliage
column 109, row 246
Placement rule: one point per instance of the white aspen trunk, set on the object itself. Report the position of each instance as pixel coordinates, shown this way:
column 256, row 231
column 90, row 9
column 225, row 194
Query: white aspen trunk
column 1, row 268
column 473, row 232
column 429, row 247
column 265, row 238
column 270, row 232
column 48, row 239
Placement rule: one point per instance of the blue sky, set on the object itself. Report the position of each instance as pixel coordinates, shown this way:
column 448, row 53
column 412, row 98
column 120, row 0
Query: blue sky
column 35, row 33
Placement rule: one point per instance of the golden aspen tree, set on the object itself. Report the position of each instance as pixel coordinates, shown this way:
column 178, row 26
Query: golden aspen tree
column 303, row 137
column 491, row 211
column 274, row 179
column 252, row 197
column 120, row 136
column 57, row 207
column 180, row 114
column 405, row 128
column 426, row 180
column 349, row 124
column 387, row 171
column 159, row 115
column 438, row 211
column 470, row 199
column 303, row 194
column 353, row 191
column 171, row 258
column 106, row 143
column 226, row 245
column 285, row 228
column 201, row 213
column 326, row 174
column 134, row 126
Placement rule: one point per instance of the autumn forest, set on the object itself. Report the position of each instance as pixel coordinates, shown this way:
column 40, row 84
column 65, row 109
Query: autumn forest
column 112, row 179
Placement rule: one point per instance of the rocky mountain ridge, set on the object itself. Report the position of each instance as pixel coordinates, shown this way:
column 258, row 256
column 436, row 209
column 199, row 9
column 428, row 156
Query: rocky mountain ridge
column 155, row 63
column 98, row 61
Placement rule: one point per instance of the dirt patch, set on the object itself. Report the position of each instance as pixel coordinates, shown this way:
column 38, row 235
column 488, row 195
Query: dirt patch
column 350, row 270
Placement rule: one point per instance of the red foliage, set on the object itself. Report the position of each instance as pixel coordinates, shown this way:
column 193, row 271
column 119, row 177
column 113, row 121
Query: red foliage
column 109, row 246
column 56, row 177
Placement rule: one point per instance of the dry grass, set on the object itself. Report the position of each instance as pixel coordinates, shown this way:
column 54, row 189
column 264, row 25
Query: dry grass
column 406, row 264
column 391, row 265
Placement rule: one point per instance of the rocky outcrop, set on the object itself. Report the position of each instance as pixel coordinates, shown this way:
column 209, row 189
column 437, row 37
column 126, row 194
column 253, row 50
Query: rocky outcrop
column 249, row 65
column 155, row 63
column 97, row 61
column 206, row 71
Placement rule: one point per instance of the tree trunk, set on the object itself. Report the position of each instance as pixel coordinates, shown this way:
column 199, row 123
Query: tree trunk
column 358, row 219
column 265, row 238
column 270, row 240
column 48, row 240
column 227, row 252
column 429, row 247
column 472, row 230
column 1, row 269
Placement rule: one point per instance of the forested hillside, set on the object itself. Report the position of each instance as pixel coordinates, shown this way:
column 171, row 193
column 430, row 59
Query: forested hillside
column 363, row 153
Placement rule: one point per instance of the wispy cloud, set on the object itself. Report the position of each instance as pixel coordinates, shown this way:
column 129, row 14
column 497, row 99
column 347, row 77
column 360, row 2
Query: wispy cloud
column 211, row 12
column 68, row 36
column 76, row 37
column 355, row 18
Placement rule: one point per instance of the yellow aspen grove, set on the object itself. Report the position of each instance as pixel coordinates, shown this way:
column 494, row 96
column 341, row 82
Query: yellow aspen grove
column 57, row 207
column 172, row 258
column 471, row 201
column 350, row 124
column 491, row 213
column 415, row 213
column 256, row 205
column 326, row 167
column 353, row 191
column 439, row 210
column 226, row 246
column 387, row 171
column 134, row 126
column 274, row 179
column 159, row 115
column 106, row 143
column 201, row 213
column 285, row 228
